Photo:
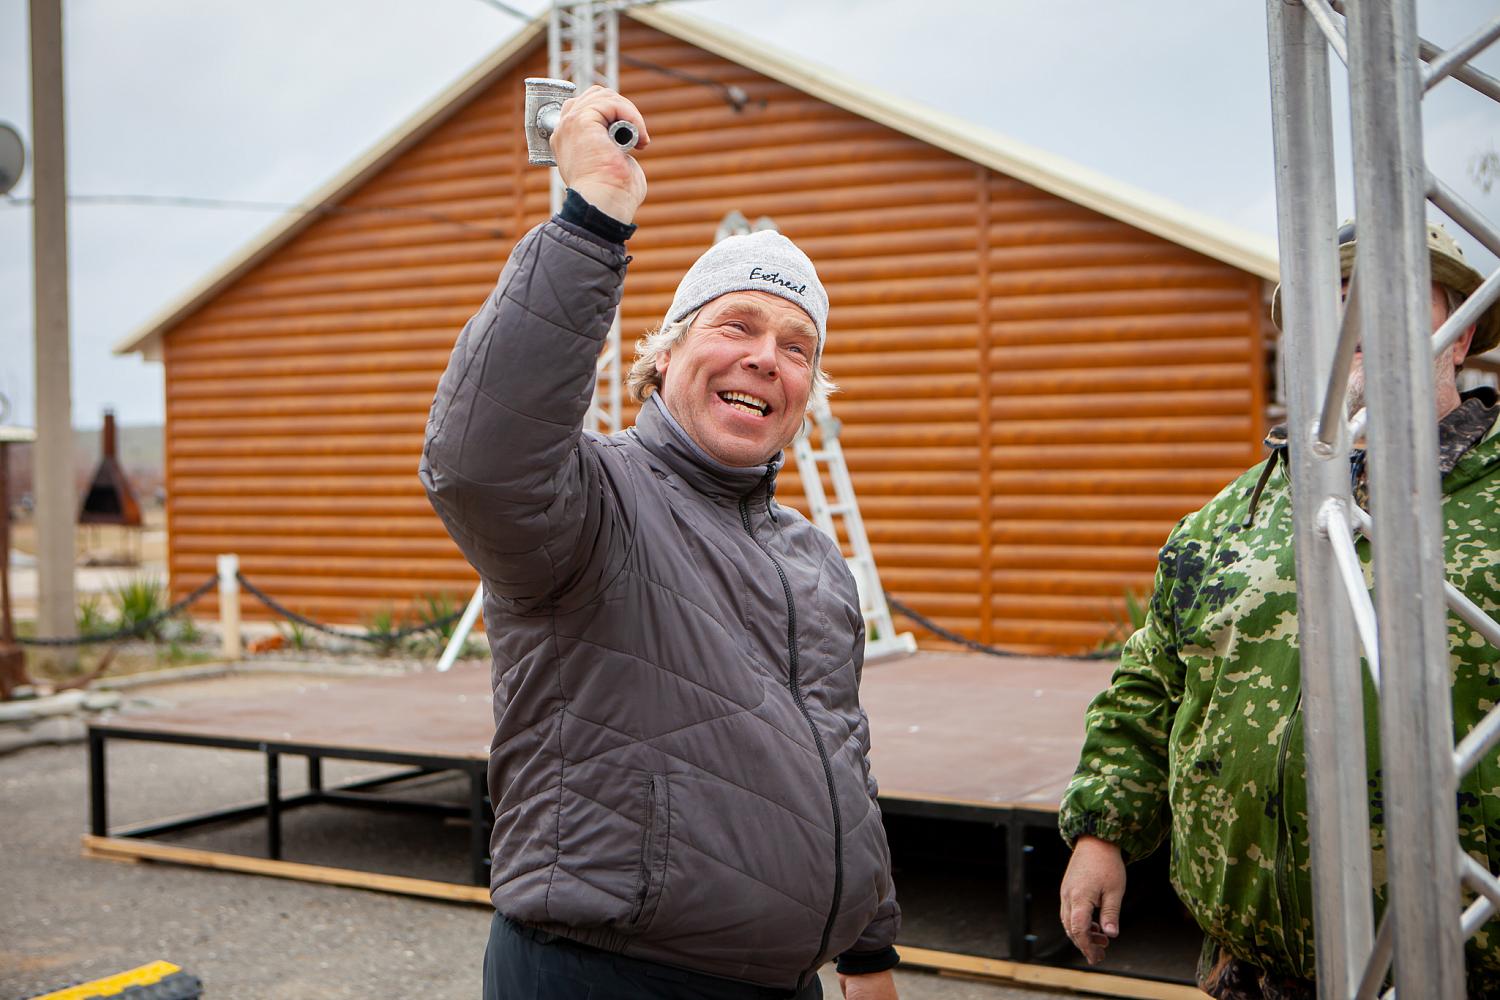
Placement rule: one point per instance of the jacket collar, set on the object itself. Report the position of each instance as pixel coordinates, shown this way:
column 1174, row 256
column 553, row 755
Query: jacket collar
column 1462, row 428
column 1480, row 420
column 1468, row 447
column 660, row 433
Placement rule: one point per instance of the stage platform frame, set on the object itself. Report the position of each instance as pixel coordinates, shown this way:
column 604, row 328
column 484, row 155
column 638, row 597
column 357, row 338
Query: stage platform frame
column 421, row 724
column 929, row 718
column 359, row 794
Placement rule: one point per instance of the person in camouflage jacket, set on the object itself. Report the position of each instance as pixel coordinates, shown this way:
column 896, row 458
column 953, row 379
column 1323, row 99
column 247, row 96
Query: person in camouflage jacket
column 1199, row 737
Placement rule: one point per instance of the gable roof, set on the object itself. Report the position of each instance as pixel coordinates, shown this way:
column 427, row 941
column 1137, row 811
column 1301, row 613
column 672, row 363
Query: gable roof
column 1150, row 213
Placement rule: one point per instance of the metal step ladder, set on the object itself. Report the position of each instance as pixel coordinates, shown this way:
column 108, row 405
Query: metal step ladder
column 881, row 638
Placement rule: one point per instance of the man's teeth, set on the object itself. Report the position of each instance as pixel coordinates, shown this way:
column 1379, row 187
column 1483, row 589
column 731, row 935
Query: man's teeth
column 746, row 402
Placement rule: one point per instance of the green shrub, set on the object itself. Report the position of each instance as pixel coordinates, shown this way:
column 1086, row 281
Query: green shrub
column 1127, row 621
column 173, row 653
column 93, row 618
column 185, row 631
column 139, row 599
column 436, row 607
column 297, row 635
column 432, row 642
column 381, row 623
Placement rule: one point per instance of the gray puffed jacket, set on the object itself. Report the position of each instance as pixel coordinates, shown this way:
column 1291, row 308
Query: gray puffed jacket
column 680, row 767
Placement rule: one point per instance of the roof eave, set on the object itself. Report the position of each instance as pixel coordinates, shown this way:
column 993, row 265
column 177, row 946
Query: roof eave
column 1151, row 213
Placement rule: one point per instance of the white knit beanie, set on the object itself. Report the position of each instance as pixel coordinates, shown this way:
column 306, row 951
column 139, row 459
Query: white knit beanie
column 754, row 262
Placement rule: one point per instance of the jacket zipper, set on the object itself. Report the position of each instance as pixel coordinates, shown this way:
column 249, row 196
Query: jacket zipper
column 833, row 796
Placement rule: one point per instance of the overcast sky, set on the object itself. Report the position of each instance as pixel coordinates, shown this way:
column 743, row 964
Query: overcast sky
column 266, row 101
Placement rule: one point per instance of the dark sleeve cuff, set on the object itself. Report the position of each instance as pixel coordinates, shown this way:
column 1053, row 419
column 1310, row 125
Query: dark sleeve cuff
column 862, row 963
column 576, row 210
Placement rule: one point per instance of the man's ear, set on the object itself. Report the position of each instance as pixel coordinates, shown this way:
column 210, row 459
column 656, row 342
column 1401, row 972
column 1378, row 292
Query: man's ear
column 1461, row 346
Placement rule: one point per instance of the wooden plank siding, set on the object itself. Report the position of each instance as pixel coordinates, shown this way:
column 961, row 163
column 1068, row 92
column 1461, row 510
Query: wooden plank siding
column 1032, row 393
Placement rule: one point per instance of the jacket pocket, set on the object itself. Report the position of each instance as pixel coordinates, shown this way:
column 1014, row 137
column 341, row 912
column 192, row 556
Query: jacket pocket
column 655, row 837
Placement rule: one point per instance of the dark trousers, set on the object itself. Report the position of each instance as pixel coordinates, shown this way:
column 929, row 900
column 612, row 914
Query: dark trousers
column 522, row 963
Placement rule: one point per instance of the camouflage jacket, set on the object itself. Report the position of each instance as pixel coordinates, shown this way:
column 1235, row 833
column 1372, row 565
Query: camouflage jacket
column 1199, row 735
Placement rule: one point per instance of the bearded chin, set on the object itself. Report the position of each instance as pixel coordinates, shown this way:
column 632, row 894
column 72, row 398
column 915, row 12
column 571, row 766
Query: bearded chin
column 1355, row 393
column 1442, row 373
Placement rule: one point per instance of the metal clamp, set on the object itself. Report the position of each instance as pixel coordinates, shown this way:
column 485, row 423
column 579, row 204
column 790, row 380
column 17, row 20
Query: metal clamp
column 544, row 100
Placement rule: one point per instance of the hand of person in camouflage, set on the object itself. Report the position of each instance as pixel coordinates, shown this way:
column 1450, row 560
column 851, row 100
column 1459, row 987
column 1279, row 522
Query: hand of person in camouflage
column 592, row 163
column 1095, row 879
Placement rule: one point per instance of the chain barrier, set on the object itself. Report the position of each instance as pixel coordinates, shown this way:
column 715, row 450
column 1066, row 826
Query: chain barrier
column 138, row 630
column 383, row 638
column 144, row 626
column 979, row 647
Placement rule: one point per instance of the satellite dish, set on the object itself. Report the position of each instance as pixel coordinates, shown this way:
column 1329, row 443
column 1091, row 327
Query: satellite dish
column 12, row 157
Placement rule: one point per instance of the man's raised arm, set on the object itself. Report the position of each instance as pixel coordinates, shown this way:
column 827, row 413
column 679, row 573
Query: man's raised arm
column 503, row 463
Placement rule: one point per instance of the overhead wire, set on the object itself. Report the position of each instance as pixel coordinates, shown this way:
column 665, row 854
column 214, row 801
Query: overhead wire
column 246, row 205
column 734, row 96
column 506, row 8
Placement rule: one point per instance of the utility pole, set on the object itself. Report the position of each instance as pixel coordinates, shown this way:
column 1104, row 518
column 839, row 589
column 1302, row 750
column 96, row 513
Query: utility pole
column 55, row 493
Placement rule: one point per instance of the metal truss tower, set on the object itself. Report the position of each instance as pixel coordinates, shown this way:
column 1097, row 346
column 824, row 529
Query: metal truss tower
column 583, row 46
column 1402, row 631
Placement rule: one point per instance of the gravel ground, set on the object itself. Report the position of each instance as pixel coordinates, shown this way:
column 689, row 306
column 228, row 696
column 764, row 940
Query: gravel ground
column 67, row 919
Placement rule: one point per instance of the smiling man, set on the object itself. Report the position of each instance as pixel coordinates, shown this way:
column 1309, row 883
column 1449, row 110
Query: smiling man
column 736, row 365
column 680, row 774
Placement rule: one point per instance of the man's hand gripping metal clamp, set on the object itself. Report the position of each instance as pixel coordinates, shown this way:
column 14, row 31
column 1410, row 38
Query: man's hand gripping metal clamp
column 544, row 99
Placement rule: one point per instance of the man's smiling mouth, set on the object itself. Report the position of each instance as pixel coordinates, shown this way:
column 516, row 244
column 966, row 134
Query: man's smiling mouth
column 746, row 403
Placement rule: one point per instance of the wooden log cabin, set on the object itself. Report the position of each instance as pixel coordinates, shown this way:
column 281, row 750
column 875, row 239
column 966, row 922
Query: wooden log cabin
column 1041, row 369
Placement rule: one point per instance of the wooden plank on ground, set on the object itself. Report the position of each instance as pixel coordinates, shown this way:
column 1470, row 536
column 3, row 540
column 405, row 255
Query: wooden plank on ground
column 1098, row 983
column 120, row 849
column 133, row 851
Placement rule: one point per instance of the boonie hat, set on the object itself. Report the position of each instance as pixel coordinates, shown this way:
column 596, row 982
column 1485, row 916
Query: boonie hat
column 1449, row 269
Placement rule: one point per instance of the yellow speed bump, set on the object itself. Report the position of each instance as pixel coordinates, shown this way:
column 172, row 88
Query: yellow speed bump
column 124, row 985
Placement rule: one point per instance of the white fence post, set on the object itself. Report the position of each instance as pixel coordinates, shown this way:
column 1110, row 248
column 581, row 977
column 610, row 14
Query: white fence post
column 229, row 605
column 462, row 630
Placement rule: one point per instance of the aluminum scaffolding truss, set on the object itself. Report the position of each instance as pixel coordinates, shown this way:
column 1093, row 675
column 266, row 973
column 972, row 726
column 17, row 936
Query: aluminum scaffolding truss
column 1402, row 631
column 583, row 45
